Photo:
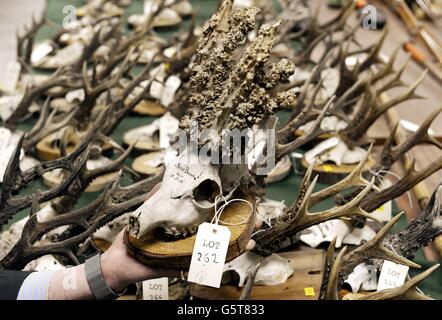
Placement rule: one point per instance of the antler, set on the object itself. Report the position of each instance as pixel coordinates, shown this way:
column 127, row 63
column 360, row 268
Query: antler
column 89, row 219
column 331, row 280
column 312, row 133
column 369, row 110
column 411, row 178
column 374, row 249
column 15, row 180
column 93, row 87
column 69, row 199
column 25, row 42
column 299, row 218
column 421, row 230
column 45, row 126
column 390, row 154
column 61, row 77
column 405, row 292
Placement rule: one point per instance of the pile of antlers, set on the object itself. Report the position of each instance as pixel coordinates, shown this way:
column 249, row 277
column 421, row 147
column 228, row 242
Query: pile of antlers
column 229, row 81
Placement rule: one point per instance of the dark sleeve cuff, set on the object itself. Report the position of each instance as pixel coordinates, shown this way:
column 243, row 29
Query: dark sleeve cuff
column 10, row 283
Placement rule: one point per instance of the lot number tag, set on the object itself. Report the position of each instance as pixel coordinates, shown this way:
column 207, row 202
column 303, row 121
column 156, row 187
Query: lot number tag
column 156, row 289
column 392, row 275
column 209, row 255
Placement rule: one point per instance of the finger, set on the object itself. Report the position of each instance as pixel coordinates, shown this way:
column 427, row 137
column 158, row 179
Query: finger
column 170, row 273
column 258, row 224
column 250, row 245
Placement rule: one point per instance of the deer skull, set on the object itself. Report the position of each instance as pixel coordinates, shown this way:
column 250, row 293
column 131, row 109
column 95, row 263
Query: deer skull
column 336, row 228
column 363, row 277
column 183, row 201
column 274, row 269
column 335, row 150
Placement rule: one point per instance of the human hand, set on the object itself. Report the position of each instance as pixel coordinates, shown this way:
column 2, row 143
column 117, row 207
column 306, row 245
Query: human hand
column 120, row 269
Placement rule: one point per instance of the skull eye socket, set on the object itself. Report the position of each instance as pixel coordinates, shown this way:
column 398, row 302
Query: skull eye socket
column 207, row 190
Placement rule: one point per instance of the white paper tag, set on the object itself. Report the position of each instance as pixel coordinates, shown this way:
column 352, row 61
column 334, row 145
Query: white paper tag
column 12, row 75
column 6, row 154
column 383, row 213
column 149, row 7
column 393, row 275
column 170, row 87
column 8, row 104
column 209, row 255
column 5, row 136
column 73, row 95
column 156, row 289
column 41, row 51
column 168, row 126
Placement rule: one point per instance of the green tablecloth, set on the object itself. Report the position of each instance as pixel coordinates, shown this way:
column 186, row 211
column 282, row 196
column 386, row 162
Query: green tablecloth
column 285, row 190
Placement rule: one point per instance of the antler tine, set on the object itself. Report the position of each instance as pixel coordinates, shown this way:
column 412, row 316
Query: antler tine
column 304, row 115
column 333, row 279
column 112, row 166
column 305, row 190
column 355, row 178
column 408, row 95
column 12, row 173
column 304, row 56
column 406, row 291
column 44, row 114
column 372, row 57
column 387, row 68
column 390, row 154
column 27, row 40
column 348, row 209
column 251, row 275
column 268, row 240
column 396, row 80
column 328, row 263
column 422, row 135
column 11, row 205
column 314, row 132
column 48, row 127
column 411, row 178
column 373, row 249
column 139, row 188
column 387, row 158
column 340, row 21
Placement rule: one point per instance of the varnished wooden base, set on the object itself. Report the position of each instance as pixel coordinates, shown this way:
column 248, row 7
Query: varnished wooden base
column 52, row 179
column 47, row 151
column 140, row 164
column 304, row 284
column 158, row 251
column 149, row 108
